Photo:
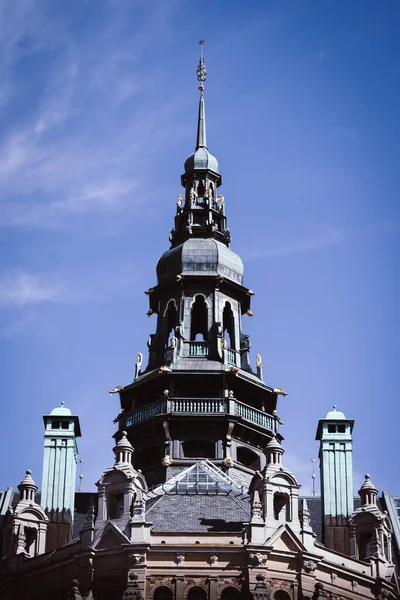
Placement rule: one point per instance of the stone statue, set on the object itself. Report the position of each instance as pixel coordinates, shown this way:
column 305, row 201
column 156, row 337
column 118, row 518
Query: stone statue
column 224, row 344
column 138, row 365
column 193, row 193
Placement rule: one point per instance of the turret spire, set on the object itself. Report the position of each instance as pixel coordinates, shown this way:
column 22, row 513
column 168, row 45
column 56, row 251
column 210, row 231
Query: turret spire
column 201, row 141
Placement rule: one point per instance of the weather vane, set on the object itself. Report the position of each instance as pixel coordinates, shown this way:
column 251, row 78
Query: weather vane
column 201, row 69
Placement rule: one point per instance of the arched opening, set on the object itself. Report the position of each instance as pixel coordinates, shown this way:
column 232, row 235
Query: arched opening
column 282, row 595
column 281, row 507
column 230, row 593
column 248, row 458
column 228, row 325
column 200, row 191
column 197, row 593
column 163, row 593
column 198, row 325
column 198, row 449
column 115, row 505
column 171, row 318
column 30, row 540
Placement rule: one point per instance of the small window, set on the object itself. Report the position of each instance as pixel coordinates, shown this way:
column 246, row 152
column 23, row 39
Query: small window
column 64, row 425
column 331, row 428
column 341, row 428
column 55, row 424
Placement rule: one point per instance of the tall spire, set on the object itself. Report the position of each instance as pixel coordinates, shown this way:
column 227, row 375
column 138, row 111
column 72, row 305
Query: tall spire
column 201, row 141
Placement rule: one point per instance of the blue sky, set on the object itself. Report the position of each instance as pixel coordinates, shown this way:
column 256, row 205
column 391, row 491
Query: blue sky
column 98, row 105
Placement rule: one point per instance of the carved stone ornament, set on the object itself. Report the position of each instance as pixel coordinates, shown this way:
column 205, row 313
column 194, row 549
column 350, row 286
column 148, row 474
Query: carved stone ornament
column 136, row 559
column 309, row 566
column 258, row 559
column 214, row 560
column 180, row 560
column 228, row 462
column 167, row 461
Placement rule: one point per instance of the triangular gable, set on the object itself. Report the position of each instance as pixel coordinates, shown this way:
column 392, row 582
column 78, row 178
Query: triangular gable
column 285, row 539
column 202, row 477
column 110, row 537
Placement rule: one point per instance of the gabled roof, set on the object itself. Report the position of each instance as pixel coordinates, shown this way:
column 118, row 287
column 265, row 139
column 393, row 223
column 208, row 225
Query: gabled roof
column 200, row 498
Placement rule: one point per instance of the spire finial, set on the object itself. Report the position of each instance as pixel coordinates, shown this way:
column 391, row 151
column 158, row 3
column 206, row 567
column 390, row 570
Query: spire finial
column 201, row 69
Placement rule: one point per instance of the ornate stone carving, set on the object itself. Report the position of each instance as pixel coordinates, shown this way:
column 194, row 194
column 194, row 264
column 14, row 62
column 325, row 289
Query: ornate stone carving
column 214, row 560
column 167, row 461
column 136, row 559
column 228, row 462
column 180, row 560
column 309, row 566
column 258, row 559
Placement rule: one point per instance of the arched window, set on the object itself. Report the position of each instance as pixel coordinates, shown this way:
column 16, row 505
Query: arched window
column 281, row 507
column 199, row 319
column 171, row 317
column 248, row 458
column 163, row 593
column 228, row 325
column 198, row 449
column 230, row 593
column 197, row 593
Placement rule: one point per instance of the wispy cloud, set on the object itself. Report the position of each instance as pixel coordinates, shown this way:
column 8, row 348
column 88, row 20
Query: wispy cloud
column 73, row 152
column 323, row 239
column 19, row 289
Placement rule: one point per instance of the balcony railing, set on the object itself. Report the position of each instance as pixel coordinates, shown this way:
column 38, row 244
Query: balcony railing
column 198, row 405
column 254, row 416
column 201, row 406
column 231, row 356
column 198, row 349
column 146, row 412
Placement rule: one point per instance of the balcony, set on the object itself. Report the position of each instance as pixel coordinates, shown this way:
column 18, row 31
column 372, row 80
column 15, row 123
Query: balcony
column 198, row 349
column 201, row 406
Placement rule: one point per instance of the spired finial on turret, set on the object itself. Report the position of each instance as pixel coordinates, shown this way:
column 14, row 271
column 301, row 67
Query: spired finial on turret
column 201, row 69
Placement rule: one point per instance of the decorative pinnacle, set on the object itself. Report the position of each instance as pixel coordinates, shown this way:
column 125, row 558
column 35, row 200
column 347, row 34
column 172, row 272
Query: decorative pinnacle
column 201, row 69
